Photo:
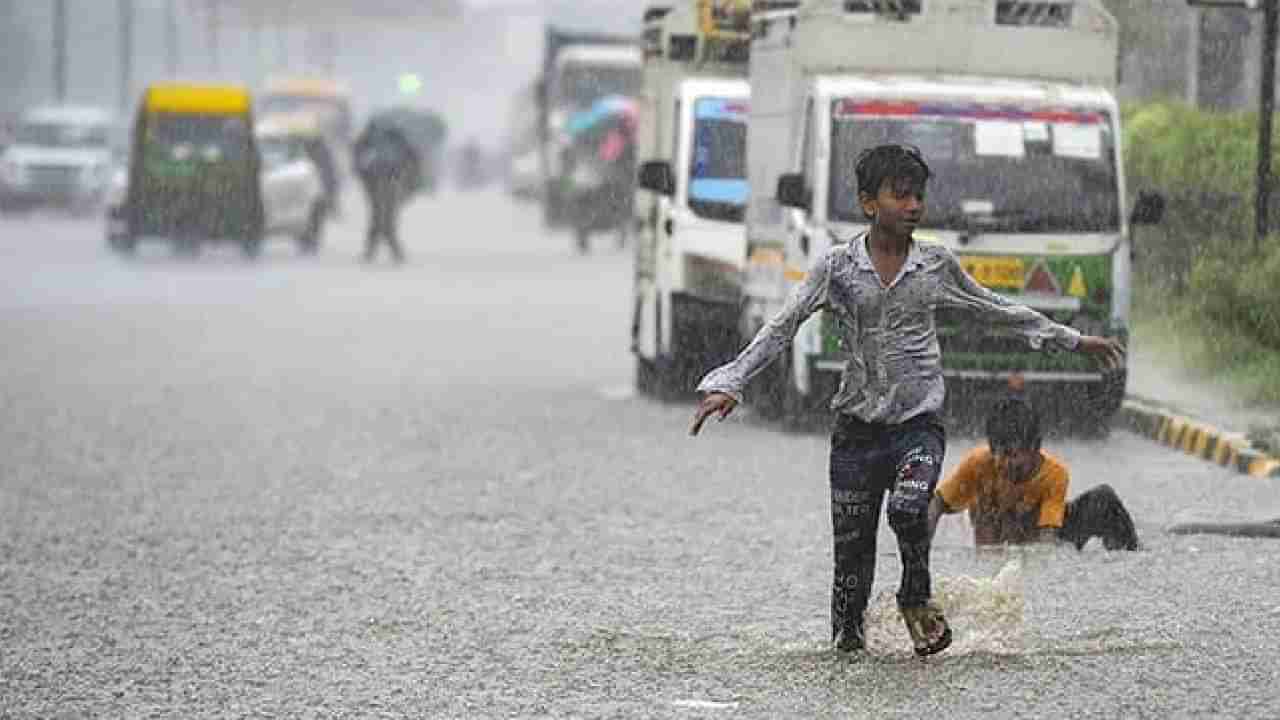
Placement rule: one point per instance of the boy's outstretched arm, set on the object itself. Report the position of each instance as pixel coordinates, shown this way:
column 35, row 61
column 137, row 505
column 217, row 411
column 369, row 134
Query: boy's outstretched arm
column 722, row 387
column 961, row 291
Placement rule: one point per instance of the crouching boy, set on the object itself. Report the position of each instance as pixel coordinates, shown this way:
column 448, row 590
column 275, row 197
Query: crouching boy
column 1016, row 492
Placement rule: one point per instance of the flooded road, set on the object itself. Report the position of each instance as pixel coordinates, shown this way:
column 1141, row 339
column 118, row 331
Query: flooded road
column 306, row 487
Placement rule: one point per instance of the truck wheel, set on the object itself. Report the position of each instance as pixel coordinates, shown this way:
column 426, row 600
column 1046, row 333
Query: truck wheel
column 251, row 246
column 186, row 247
column 9, row 206
column 775, row 397
column 648, row 379
column 1101, row 402
column 123, row 244
column 770, row 391
column 309, row 239
column 704, row 335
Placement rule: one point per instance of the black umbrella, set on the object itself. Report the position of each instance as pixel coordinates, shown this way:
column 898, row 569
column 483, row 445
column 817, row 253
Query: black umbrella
column 423, row 129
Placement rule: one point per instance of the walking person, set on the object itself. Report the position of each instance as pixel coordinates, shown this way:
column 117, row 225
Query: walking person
column 884, row 286
column 388, row 169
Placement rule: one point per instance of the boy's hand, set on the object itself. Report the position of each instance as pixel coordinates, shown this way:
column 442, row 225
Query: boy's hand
column 1109, row 350
column 711, row 404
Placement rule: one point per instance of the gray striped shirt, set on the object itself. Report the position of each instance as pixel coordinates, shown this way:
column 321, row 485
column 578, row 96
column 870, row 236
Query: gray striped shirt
column 894, row 369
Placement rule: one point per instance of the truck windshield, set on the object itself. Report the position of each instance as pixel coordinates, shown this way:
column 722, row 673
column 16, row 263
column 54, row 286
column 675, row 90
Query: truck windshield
column 996, row 169
column 62, row 135
column 581, row 85
column 718, row 162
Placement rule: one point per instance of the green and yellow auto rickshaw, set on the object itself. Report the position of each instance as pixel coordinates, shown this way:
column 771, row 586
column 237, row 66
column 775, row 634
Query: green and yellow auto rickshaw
column 194, row 171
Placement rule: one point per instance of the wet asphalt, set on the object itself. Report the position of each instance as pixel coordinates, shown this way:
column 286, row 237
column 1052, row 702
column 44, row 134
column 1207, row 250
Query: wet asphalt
column 304, row 487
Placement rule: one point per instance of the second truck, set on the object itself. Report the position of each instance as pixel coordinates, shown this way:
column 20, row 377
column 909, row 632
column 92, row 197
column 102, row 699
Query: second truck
column 691, row 248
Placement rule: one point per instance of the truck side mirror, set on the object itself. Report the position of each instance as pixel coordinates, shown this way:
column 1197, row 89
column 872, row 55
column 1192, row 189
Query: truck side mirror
column 656, row 175
column 1148, row 209
column 792, row 191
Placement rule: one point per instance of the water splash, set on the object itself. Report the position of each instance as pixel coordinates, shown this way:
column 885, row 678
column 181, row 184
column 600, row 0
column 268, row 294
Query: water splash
column 985, row 614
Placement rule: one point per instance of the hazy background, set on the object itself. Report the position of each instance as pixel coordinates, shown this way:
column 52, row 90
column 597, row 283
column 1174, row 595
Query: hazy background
column 472, row 55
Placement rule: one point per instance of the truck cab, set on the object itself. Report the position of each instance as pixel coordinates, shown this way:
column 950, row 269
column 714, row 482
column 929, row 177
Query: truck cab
column 691, row 247
column 1013, row 106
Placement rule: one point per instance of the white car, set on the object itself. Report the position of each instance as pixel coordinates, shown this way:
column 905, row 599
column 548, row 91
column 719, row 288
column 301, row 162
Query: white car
column 293, row 195
column 59, row 155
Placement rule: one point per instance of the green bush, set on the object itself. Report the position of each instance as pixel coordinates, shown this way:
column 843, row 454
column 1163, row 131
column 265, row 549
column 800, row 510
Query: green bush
column 1204, row 163
column 1200, row 280
column 1236, row 292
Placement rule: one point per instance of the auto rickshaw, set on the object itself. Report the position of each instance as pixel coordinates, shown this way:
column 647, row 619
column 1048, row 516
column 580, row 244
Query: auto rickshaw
column 327, row 99
column 194, row 171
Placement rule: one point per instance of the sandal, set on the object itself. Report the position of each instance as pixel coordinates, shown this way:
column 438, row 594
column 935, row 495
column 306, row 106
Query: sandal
column 929, row 630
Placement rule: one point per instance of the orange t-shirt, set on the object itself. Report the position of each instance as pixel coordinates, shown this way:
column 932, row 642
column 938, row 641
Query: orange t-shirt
column 1002, row 511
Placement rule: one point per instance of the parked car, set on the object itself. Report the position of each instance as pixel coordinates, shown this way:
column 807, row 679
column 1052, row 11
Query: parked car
column 58, row 156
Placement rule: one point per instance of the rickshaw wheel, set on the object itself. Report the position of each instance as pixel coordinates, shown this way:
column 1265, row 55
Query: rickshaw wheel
column 251, row 246
column 186, row 247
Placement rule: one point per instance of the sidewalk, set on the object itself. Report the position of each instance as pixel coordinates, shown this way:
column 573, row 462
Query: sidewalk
column 1152, row 378
column 1197, row 416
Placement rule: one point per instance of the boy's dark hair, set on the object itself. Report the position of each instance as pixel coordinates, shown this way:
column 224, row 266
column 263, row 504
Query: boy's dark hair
column 1013, row 424
column 890, row 162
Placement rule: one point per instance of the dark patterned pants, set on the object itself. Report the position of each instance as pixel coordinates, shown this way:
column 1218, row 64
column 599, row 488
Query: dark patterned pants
column 868, row 459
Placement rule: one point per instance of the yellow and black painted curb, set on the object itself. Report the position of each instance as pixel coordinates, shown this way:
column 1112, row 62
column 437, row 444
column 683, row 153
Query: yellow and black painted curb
column 1197, row 438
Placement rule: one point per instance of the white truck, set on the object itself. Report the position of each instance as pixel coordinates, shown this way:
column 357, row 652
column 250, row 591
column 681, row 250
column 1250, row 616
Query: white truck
column 1013, row 105
column 691, row 145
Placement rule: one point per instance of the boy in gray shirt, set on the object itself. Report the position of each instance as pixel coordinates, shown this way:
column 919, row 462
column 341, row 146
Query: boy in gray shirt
column 884, row 286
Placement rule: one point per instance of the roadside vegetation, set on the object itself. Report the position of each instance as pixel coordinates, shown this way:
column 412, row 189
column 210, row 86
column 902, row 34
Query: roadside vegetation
column 1205, row 295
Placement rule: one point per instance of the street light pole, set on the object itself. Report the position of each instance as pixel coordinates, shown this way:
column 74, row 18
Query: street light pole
column 1266, row 104
column 1266, row 107
column 215, row 31
column 126, row 54
column 171, row 38
column 60, row 50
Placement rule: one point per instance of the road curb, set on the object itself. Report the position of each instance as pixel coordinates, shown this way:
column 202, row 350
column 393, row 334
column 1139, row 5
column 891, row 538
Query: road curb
column 1197, row 438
